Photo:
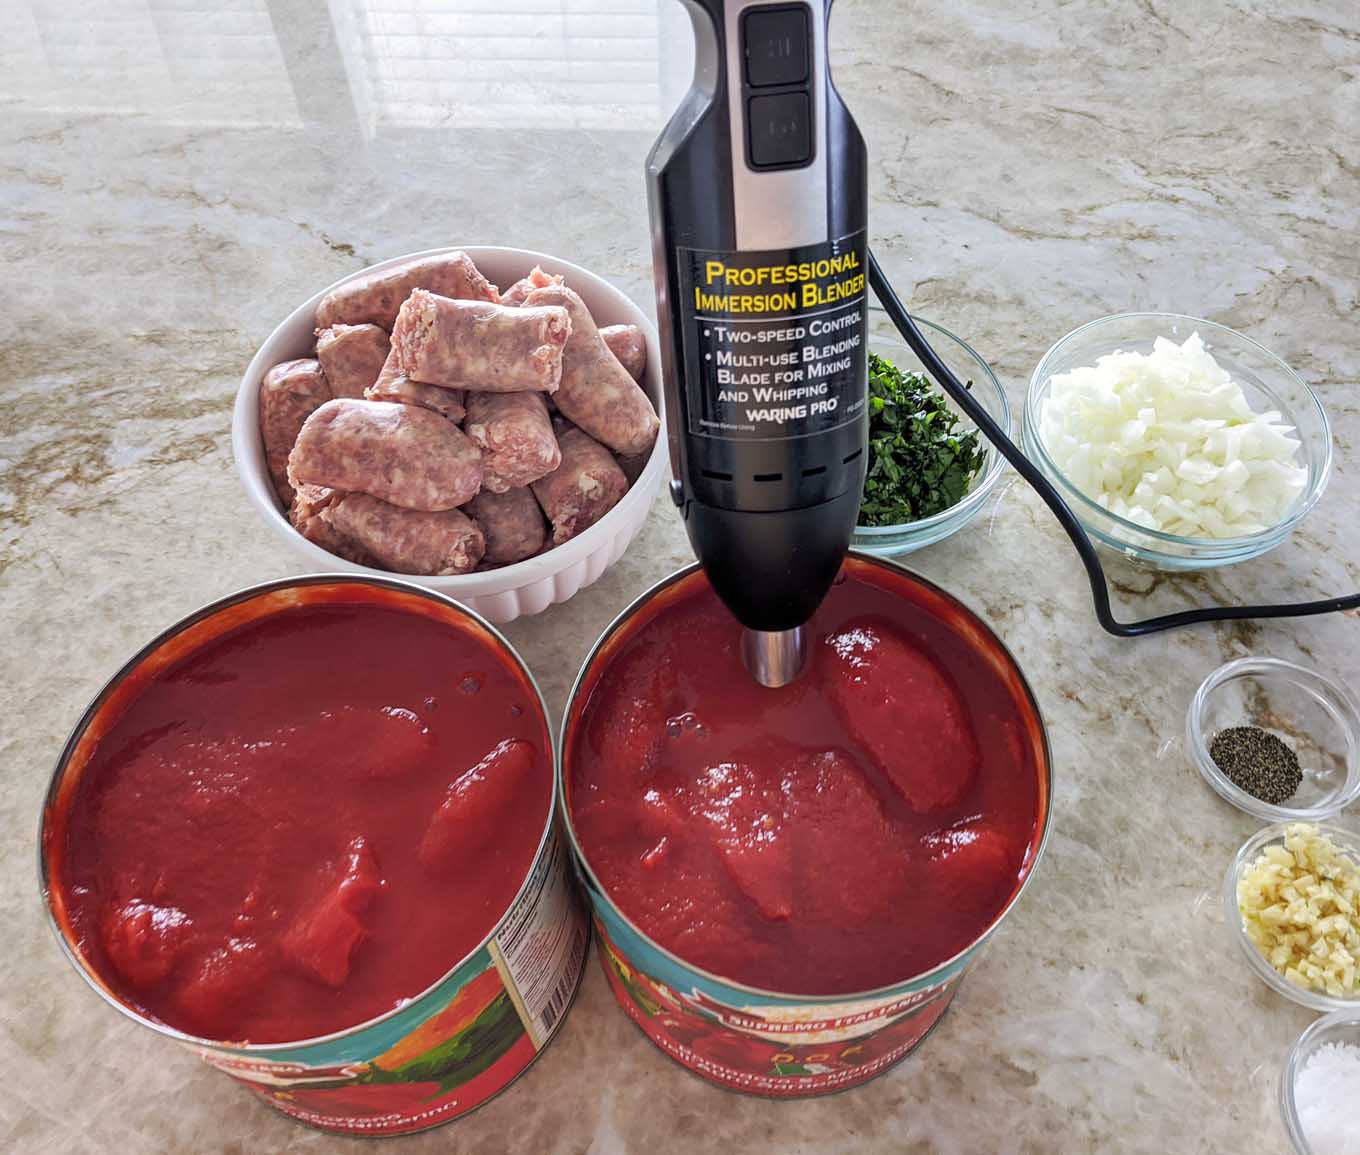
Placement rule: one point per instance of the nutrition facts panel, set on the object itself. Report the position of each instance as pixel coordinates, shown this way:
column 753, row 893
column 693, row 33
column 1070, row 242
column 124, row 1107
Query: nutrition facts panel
column 774, row 340
column 542, row 944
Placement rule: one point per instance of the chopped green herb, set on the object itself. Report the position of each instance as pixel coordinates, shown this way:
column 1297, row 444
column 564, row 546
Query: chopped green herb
column 919, row 464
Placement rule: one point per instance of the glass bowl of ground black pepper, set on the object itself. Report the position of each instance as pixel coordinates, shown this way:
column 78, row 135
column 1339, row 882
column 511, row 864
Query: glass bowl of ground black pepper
column 1276, row 740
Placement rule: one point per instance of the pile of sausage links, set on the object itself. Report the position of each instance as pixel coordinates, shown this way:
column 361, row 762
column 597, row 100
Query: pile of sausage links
column 444, row 426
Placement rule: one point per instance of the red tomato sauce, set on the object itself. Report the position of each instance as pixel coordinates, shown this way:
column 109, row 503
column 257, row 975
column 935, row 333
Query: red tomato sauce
column 305, row 822
column 843, row 833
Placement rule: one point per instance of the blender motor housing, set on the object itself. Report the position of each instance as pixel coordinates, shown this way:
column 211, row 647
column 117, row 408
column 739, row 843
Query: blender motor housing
column 758, row 197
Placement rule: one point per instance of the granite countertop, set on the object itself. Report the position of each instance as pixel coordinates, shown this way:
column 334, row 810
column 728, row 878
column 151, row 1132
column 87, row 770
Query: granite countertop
column 175, row 177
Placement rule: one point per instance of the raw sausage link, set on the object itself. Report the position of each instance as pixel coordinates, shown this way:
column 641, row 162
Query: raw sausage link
column 305, row 515
column 580, row 491
column 352, row 357
column 512, row 523
column 407, row 540
column 633, row 466
column 289, row 394
column 374, row 299
column 515, row 435
column 477, row 345
column 393, row 385
column 536, row 279
column 596, row 392
column 629, row 346
column 399, row 453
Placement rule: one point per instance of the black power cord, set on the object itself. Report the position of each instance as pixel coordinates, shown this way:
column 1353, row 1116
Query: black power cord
column 1095, row 573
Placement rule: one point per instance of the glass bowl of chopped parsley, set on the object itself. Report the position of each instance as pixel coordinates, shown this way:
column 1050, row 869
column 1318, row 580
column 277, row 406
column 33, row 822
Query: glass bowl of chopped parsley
column 929, row 471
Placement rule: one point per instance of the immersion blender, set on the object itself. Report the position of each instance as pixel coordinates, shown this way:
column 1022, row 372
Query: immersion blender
column 759, row 206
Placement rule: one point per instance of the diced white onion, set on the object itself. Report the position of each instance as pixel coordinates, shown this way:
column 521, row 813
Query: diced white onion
column 1169, row 441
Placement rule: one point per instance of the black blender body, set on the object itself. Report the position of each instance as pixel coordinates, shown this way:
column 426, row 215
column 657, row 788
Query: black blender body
column 758, row 197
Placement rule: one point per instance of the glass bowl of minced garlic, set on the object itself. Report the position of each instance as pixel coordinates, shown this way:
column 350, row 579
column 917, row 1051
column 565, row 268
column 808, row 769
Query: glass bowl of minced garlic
column 1292, row 895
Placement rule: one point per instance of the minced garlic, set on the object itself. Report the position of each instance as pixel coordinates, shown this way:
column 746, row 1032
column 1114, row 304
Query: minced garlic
column 1300, row 905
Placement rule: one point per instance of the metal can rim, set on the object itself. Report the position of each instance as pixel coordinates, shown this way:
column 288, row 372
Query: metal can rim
column 942, row 970
column 203, row 613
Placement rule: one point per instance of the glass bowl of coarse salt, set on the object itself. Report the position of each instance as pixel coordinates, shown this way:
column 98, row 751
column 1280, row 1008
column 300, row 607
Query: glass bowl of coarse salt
column 1320, row 1087
column 1276, row 739
column 1291, row 898
column 1178, row 443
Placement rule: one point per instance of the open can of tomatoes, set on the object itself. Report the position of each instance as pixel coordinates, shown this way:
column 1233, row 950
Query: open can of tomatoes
column 788, row 885
column 309, row 832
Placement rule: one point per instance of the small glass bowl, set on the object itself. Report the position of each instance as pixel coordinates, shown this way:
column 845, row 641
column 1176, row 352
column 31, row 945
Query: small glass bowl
column 1251, row 850
column 1268, row 384
column 1318, row 718
column 1340, row 1027
column 969, row 367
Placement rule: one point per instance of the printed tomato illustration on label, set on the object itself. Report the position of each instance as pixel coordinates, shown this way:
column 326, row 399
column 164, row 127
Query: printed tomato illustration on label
column 458, row 1057
column 778, row 337
column 772, row 1050
column 432, row 1070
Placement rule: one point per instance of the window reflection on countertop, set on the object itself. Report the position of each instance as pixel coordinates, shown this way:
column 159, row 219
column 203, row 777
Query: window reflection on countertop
column 175, row 60
column 365, row 64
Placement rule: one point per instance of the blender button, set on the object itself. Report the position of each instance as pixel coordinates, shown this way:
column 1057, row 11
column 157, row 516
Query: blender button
column 775, row 41
column 677, row 493
column 779, row 129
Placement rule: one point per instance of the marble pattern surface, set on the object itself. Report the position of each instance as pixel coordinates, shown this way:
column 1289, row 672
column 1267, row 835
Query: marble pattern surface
column 173, row 177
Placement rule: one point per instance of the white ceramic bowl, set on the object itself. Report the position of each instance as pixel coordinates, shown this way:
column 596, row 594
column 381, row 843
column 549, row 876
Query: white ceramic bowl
column 527, row 587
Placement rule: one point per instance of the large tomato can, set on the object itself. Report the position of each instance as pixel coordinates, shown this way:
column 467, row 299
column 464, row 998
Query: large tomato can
column 765, row 1042
column 448, row 1049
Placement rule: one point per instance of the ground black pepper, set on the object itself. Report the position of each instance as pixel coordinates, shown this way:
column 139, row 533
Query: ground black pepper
column 1258, row 762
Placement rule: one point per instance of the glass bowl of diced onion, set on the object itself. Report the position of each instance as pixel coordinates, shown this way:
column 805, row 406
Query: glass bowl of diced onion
column 1214, row 473
column 1272, row 838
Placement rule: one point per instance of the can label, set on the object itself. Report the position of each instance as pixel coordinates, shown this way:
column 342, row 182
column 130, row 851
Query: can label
column 452, row 1049
column 774, row 339
column 783, row 1051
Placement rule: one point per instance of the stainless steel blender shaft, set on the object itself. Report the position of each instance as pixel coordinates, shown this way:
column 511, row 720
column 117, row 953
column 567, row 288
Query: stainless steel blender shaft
column 773, row 657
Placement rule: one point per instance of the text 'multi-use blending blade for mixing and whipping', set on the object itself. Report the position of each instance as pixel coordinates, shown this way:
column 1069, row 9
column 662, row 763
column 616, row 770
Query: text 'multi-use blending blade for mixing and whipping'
column 759, row 209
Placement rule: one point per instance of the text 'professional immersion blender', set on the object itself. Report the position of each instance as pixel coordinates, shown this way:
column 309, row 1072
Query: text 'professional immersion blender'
column 759, row 209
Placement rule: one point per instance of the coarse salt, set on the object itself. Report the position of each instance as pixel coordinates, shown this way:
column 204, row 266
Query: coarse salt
column 1327, row 1096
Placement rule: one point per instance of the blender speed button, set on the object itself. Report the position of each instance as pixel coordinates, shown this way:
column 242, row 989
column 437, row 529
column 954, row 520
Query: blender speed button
column 779, row 129
column 776, row 43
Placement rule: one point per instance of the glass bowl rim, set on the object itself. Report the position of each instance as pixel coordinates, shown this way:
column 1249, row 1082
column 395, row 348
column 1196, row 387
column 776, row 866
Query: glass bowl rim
column 986, row 482
column 1293, row 1064
column 1270, row 535
column 1349, row 841
column 1197, row 742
